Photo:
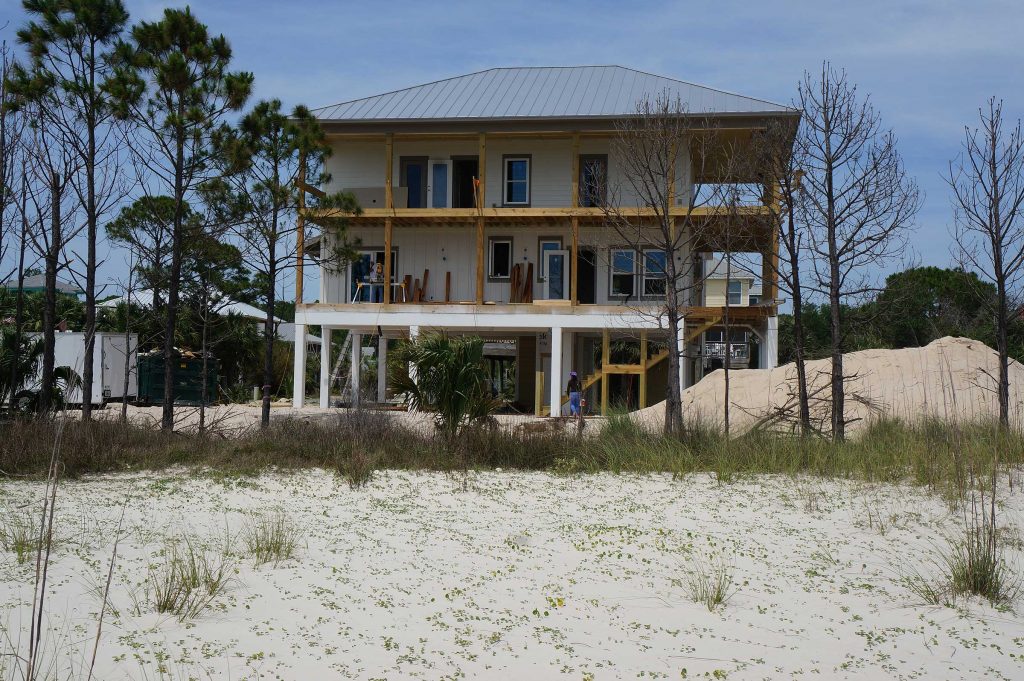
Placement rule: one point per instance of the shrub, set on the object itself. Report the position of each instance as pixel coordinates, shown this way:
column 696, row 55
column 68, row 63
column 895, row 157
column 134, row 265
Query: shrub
column 270, row 537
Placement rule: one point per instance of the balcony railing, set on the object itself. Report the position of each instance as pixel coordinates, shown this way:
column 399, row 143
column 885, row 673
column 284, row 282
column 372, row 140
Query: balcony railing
column 717, row 349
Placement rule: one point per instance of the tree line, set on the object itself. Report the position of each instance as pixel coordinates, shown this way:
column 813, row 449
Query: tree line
column 141, row 130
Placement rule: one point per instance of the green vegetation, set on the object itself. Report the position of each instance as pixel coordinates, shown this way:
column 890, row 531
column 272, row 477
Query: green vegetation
column 916, row 307
column 450, row 380
column 270, row 537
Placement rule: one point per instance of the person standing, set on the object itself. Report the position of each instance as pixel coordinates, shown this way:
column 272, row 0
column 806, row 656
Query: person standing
column 377, row 283
column 574, row 390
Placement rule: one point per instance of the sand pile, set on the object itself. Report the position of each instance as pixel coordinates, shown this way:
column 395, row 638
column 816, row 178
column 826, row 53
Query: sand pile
column 949, row 378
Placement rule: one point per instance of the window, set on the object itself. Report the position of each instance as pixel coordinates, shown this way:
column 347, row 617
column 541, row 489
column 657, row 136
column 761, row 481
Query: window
column 545, row 244
column 654, row 272
column 593, row 180
column 623, row 272
column 517, row 181
column 499, row 261
column 735, row 292
column 753, row 300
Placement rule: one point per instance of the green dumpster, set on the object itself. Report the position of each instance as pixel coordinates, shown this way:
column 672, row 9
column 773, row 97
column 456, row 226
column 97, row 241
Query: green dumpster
column 188, row 379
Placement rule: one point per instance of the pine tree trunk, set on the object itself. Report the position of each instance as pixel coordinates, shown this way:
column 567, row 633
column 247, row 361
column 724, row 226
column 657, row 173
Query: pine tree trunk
column 50, row 302
column 170, row 324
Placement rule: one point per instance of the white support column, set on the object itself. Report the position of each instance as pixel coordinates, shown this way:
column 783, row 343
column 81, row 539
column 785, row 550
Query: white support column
column 357, row 367
column 680, row 346
column 382, row 369
column 299, row 375
column 325, row 367
column 556, row 371
column 770, row 344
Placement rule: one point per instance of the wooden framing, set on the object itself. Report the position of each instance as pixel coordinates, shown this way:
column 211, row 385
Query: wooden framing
column 389, row 204
column 575, row 223
column 606, row 358
column 481, row 203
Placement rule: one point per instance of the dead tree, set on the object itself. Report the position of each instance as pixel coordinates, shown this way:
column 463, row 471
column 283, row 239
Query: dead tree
column 50, row 166
column 987, row 180
column 662, row 151
column 857, row 201
column 781, row 168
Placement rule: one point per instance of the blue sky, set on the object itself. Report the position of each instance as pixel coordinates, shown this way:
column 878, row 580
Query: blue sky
column 928, row 65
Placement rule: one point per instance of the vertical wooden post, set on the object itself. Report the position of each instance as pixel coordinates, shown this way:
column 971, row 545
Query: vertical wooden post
column 770, row 257
column 300, row 228
column 606, row 360
column 575, row 255
column 389, row 203
column 481, row 202
column 643, row 374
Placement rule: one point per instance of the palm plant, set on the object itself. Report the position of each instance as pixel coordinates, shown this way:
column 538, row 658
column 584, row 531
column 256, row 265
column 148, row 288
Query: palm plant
column 20, row 360
column 447, row 376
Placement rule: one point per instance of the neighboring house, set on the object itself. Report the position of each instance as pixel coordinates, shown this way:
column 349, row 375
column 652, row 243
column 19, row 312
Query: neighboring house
column 37, row 283
column 481, row 198
column 734, row 285
column 285, row 330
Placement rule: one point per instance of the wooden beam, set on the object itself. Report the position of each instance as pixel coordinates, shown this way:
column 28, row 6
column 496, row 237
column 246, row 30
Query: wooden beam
column 691, row 335
column 480, row 260
column 319, row 193
column 643, row 374
column 770, row 260
column 606, row 359
column 387, row 261
column 389, row 155
column 574, row 264
column 482, row 204
column 624, row 369
column 482, row 164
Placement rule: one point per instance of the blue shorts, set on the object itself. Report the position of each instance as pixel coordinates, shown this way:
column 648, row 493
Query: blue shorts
column 574, row 404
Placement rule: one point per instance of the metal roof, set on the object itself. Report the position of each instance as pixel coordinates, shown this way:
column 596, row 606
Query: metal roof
column 540, row 92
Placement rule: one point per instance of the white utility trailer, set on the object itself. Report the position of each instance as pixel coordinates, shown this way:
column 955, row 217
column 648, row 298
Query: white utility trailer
column 111, row 351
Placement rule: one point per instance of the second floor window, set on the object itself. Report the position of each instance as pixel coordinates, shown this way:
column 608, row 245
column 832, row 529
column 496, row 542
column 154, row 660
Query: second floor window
column 654, row 272
column 735, row 293
column 517, row 181
column 593, row 180
column 623, row 272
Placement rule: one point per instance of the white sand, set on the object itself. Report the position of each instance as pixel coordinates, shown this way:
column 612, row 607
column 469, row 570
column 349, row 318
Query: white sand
column 949, row 378
column 523, row 576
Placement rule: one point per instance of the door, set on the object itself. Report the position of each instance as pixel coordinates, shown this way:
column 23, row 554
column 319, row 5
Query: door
column 464, row 172
column 587, row 278
column 556, row 270
column 439, row 184
column 413, row 176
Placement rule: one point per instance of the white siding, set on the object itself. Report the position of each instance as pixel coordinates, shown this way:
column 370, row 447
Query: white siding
column 361, row 164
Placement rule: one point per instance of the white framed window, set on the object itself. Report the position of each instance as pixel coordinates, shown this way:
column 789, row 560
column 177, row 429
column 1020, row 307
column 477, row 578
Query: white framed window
column 545, row 244
column 735, row 292
column 654, row 272
column 517, row 181
column 623, row 272
column 499, row 258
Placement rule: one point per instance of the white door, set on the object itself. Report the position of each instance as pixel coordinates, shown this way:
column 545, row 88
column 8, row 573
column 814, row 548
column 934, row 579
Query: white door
column 439, row 184
column 556, row 271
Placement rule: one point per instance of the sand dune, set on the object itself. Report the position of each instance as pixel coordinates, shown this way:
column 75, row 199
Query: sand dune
column 949, row 378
